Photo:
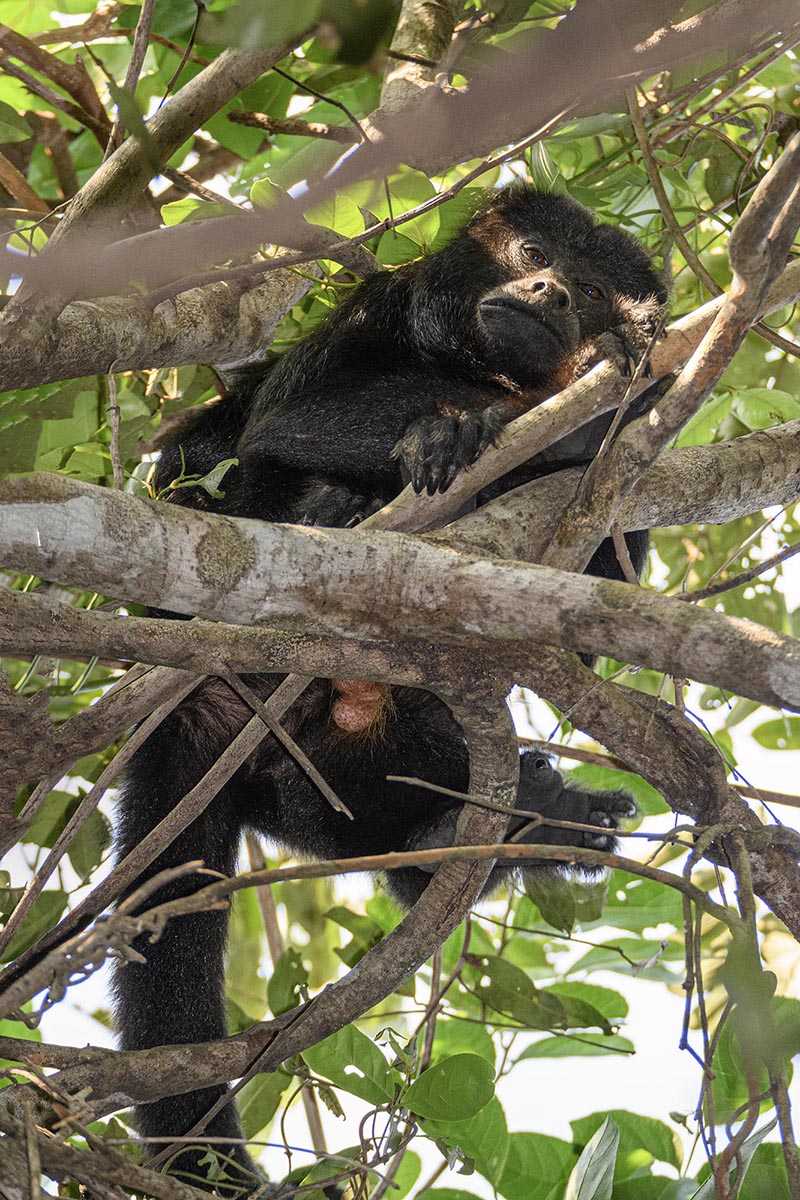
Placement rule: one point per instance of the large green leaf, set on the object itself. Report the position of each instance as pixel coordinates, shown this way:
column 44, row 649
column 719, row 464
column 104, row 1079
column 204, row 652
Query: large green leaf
column 482, row 1138
column 452, row 1090
column 353, row 1062
column 592, row 1177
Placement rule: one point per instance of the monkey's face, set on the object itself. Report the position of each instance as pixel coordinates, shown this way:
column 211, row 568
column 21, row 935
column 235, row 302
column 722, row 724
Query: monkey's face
column 535, row 322
column 557, row 281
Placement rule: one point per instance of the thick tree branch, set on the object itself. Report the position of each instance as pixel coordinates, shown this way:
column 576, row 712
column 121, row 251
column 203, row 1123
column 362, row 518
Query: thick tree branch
column 691, row 485
column 702, row 483
column 221, row 323
column 373, row 585
column 421, row 37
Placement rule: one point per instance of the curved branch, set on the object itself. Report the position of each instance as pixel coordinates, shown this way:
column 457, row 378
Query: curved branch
column 121, row 1078
column 661, row 744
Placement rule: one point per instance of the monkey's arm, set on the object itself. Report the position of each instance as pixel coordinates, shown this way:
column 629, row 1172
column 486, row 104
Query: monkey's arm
column 365, row 427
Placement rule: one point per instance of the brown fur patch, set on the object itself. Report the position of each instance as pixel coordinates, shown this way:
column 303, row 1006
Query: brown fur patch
column 359, row 706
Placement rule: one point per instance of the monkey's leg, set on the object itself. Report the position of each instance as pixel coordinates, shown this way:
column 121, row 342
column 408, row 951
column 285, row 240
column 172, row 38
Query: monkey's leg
column 177, row 994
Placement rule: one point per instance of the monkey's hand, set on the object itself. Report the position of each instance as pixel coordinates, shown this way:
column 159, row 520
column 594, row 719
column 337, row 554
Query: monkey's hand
column 629, row 339
column 604, row 810
column 434, row 449
column 624, row 346
column 543, row 792
column 334, row 505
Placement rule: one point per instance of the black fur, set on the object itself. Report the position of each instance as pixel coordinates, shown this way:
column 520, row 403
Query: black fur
column 410, row 378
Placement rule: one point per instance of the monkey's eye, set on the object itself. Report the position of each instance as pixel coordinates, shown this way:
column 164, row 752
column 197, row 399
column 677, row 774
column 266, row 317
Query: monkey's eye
column 592, row 291
column 537, row 255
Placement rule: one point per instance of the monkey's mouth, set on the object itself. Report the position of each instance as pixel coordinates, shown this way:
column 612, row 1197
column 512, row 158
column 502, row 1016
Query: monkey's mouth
column 498, row 307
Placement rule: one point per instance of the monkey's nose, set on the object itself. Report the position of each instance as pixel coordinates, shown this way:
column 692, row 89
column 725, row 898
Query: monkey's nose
column 554, row 294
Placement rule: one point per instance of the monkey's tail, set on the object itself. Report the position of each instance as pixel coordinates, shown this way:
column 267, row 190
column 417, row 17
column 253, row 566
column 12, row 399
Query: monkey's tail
column 176, row 995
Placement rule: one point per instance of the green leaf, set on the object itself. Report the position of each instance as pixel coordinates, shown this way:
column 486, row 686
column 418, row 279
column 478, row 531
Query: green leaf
column 554, row 896
column 245, row 987
column 638, row 904
column 210, row 482
column 581, row 1013
column 43, row 916
column 767, row 1175
column 50, row 819
column 90, row 843
column 288, row 982
column 452, row 1090
column 748, row 1148
column 366, row 933
column 339, row 213
column 761, row 408
column 446, row 1194
column 9, row 898
column 721, row 175
column 508, row 990
column 705, row 424
column 593, row 1175
column 395, row 249
column 658, row 1187
column 351, row 1061
column 636, row 1134
column 534, row 1156
column 406, row 1175
column 191, row 208
column 604, row 999
column 578, row 1046
column 266, row 194
column 266, row 24
column 13, row 126
column 649, row 955
column 781, row 734
column 259, row 1099
column 360, row 27
column 459, row 1037
column 730, row 1085
column 483, row 1138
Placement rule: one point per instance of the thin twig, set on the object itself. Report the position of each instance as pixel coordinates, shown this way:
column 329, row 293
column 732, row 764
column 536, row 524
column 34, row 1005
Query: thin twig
column 140, row 40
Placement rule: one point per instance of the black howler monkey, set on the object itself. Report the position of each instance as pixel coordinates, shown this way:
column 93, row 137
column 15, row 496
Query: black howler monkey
column 411, row 378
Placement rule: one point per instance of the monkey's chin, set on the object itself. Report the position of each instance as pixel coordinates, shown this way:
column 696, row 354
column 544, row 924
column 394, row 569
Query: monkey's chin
column 520, row 340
